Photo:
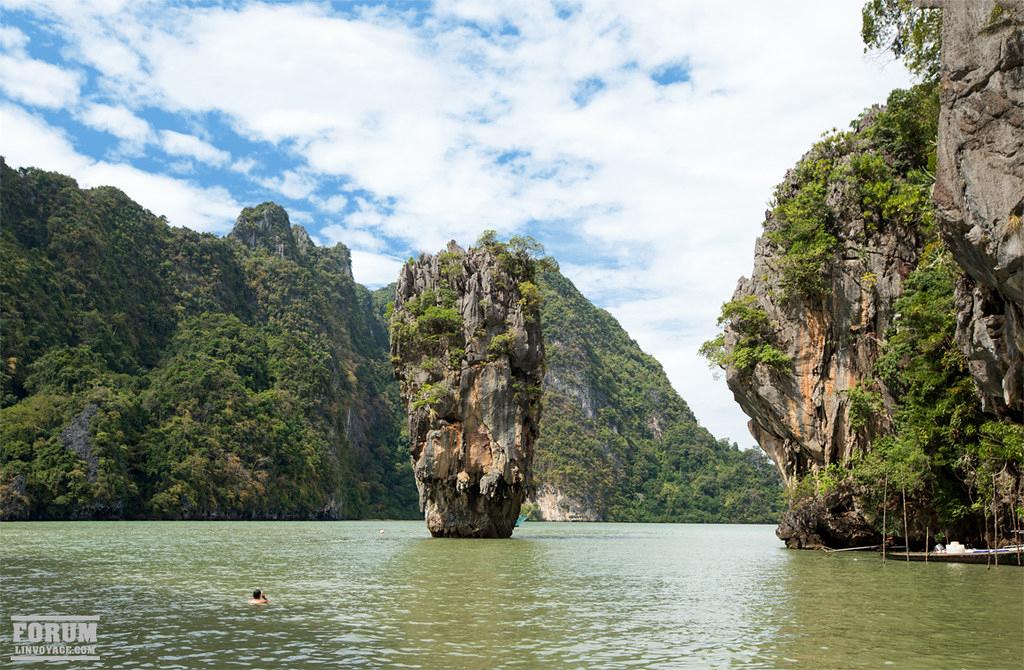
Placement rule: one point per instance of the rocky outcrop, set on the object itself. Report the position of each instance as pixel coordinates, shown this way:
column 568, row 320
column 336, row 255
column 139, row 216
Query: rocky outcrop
column 15, row 503
column 805, row 332
column 801, row 415
column 800, row 354
column 802, row 418
column 552, row 504
column 834, row 519
column 467, row 348
column 267, row 227
column 979, row 189
column 75, row 439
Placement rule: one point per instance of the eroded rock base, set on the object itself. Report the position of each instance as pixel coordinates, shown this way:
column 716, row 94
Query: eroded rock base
column 832, row 520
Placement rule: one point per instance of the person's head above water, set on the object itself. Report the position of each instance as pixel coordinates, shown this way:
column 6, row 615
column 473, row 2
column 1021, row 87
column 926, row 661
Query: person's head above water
column 257, row 594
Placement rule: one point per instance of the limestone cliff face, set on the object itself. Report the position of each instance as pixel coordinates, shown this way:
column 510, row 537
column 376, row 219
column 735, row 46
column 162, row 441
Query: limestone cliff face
column 554, row 504
column 979, row 190
column 802, row 418
column 817, row 399
column 266, row 226
column 468, row 352
column 801, row 415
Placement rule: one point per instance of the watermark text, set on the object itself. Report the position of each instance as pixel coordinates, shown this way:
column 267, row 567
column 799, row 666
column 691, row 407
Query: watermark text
column 55, row 637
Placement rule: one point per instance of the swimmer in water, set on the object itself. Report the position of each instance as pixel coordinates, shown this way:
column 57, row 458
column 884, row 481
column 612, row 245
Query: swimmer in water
column 258, row 598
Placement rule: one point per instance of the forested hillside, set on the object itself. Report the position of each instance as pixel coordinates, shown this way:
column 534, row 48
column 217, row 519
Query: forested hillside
column 155, row 372
column 618, row 443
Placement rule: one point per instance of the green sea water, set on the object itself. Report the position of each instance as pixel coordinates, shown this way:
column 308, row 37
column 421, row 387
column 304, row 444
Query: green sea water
column 174, row 595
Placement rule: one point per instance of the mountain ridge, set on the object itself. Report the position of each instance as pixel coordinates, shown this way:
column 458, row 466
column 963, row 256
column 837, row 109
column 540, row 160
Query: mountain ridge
column 156, row 372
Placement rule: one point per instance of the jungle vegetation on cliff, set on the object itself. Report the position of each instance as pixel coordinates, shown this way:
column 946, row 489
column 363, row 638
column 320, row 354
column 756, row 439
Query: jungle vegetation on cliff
column 152, row 371
column 915, row 415
column 155, row 372
column 617, row 437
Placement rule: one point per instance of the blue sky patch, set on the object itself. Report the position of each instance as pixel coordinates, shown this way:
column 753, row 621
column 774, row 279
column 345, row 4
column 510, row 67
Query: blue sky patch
column 671, row 73
column 585, row 90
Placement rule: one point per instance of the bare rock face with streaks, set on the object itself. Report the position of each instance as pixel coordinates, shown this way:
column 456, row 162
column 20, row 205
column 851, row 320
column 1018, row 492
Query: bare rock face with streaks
column 979, row 189
column 467, row 349
column 801, row 414
column 802, row 419
column 800, row 354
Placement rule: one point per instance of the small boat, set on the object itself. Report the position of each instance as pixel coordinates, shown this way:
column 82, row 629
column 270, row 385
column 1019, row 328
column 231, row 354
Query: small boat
column 1005, row 556
column 520, row 520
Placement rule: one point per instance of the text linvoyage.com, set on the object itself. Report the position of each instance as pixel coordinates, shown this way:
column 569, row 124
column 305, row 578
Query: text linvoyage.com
column 55, row 637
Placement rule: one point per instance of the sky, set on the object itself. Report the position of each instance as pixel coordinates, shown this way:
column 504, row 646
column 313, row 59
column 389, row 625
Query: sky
column 638, row 141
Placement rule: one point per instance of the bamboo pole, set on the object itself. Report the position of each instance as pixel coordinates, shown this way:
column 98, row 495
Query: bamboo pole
column 885, row 496
column 927, row 544
column 995, row 519
column 1017, row 537
column 988, row 542
column 906, row 528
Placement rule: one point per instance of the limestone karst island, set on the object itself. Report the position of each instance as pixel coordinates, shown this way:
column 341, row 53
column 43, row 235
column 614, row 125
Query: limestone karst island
column 527, row 334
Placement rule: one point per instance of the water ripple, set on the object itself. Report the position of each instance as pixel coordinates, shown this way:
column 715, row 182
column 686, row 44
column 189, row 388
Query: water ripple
column 172, row 595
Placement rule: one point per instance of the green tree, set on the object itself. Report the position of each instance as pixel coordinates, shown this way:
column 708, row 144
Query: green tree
column 754, row 342
column 909, row 32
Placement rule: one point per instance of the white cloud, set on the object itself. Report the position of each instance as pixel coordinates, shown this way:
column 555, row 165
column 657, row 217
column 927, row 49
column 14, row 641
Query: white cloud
column 181, row 144
column 37, row 82
column 352, row 238
column 657, row 192
column 12, row 39
column 301, row 217
column 27, row 141
column 244, row 165
column 367, row 214
column 118, row 121
column 334, row 204
column 101, row 29
column 182, row 166
column 291, row 184
column 374, row 270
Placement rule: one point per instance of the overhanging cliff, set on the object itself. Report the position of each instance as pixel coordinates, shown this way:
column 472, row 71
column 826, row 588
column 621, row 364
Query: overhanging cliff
column 803, row 336
column 803, row 333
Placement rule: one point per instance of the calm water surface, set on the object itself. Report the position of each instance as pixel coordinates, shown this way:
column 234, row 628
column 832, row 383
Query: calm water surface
column 173, row 595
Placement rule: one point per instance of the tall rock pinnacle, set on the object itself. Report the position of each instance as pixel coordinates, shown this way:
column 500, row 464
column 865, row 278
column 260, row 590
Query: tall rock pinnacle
column 467, row 349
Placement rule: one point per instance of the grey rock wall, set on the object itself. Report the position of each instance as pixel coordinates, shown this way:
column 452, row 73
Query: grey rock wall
column 802, row 416
column 979, row 189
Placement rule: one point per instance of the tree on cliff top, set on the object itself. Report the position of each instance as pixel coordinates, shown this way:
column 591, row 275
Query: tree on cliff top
column 910, row 33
